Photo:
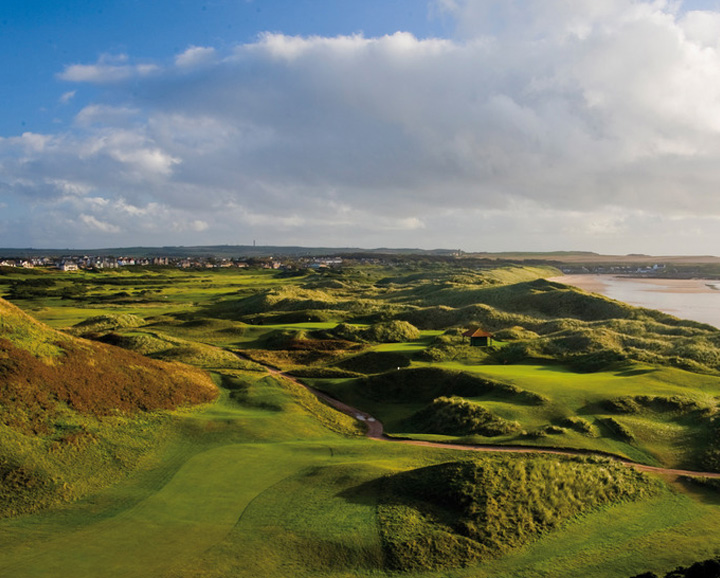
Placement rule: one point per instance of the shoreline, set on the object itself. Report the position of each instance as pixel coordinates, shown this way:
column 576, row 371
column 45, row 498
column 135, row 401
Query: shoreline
column 691, row 299
column 599, row 283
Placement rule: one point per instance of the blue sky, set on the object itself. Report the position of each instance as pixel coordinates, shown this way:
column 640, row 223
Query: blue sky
column 473, row 124
column 38, row 38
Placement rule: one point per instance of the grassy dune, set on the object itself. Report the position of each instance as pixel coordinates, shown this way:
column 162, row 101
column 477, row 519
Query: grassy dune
column 75, row 415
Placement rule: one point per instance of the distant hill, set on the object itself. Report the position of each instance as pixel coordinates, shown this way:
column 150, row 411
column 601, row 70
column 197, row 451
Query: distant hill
column 217, row 251
column 263, row 251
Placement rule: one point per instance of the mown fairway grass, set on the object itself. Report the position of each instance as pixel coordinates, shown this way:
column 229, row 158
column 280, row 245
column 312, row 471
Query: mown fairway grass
column 188, row 515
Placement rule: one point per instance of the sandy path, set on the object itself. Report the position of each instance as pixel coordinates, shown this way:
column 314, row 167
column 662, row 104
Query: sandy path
column 374, row 427
column 375, row 431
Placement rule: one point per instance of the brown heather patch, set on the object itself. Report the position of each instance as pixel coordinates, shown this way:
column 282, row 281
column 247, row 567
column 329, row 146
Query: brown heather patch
column 322, row 345
column 303, row 354
column 93, row 378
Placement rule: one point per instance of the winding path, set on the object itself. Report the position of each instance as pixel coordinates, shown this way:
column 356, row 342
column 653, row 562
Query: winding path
column 375, row 431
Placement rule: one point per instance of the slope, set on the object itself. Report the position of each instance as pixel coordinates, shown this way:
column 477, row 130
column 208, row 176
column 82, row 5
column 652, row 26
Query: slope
column 75, row 414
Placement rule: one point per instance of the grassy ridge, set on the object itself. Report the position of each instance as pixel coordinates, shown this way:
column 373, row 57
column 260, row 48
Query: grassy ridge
column 75, row 414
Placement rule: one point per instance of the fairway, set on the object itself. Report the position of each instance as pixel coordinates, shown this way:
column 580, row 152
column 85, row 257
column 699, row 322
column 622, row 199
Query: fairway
column 191, row 513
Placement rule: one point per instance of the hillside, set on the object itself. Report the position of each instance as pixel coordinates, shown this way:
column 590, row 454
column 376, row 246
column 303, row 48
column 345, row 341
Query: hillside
column 61, row 402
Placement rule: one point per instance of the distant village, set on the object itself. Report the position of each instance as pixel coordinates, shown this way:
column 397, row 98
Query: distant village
column 92, row 262
column 292, row 263
column 631, row 269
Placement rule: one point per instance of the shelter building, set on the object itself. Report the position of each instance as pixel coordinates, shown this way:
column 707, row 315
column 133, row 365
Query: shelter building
column 478, row 337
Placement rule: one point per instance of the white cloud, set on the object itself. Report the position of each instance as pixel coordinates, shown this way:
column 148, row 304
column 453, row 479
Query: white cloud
column 101, row 226
column 105, row 114
column 109, row 69
column 578, row 120
column 67, row 96
column 195, row 56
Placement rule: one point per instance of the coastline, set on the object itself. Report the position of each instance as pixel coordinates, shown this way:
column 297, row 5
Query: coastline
column 693, row 299
column 599, row 283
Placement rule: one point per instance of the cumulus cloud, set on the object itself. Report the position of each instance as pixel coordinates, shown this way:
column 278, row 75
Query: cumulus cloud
column 195, row 56
column 569, row 123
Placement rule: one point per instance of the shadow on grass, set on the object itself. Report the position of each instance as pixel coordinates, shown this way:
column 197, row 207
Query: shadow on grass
column 703, row 490
column 635, row 372
column 365, row 494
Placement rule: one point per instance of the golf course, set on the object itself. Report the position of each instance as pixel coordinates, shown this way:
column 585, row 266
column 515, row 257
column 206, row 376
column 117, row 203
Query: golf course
column 338, row 423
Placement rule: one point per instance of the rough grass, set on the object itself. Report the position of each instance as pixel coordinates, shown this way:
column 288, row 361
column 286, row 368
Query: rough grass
column 459, row 513
column 57, row 403
column 456, row 416
column 427, row 383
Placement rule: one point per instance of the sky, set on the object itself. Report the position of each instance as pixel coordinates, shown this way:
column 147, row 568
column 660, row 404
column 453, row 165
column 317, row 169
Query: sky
column 480, row 125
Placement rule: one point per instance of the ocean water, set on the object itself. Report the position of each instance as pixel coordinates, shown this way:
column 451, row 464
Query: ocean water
column 695, row 299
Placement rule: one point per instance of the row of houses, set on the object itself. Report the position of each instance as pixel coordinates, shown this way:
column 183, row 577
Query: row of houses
column 85, row 262
column 74, row 263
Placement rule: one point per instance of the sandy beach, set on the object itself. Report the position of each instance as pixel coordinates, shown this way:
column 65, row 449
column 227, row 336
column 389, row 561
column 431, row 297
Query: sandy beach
column 696, row 299
column 592, row 283
column 599, row 283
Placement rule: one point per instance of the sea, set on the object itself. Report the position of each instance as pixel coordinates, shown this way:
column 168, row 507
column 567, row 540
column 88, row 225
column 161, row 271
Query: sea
column 695, row 299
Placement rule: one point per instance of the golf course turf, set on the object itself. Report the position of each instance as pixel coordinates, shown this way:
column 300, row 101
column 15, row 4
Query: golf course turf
column 269, row 480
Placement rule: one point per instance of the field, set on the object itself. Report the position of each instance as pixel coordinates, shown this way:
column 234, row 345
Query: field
column 268, row 481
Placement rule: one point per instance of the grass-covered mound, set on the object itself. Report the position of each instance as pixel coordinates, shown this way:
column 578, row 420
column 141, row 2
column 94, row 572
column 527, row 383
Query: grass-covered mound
column 288, row 298
column 76, row 414
column 705, row 569
column 92, row 379
column 297, row 349
column 675, row 404
column 42, row 368
column 458, row 513
column 426, row 384
column 456, row 416
column 381, row 332
column 372, row 362
column 104, row 323
column 188, row 325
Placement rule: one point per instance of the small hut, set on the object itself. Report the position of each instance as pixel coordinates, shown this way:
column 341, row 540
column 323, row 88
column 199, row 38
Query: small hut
column 478, row 337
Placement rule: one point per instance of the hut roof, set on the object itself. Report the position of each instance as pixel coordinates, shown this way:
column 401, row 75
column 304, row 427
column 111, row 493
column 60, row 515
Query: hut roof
column 477, row 332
